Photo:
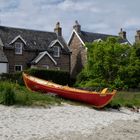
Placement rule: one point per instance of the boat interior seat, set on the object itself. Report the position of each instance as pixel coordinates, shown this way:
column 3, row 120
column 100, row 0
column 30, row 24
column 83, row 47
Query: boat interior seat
column 104, row 91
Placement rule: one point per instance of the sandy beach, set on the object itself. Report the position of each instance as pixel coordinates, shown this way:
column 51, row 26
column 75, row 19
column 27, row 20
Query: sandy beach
column 68, row 122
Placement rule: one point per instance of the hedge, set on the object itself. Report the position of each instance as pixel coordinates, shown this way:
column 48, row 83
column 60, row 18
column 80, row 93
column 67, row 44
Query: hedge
column 59, row 77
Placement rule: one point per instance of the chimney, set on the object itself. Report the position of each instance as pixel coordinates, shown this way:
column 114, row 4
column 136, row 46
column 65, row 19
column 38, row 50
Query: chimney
column 137, row 36
column 77, row 27
column 58, row 29
column 122, row 34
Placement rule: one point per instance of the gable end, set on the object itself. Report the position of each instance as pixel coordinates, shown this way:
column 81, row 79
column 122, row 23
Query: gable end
column 72, row 34
column 16, row 38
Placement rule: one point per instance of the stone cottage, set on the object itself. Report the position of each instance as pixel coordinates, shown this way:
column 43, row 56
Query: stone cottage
column 77, row 42
column 24, row 48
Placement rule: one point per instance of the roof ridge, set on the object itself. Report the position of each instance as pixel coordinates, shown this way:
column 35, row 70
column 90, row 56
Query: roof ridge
column 99, row 33
column 18, row 28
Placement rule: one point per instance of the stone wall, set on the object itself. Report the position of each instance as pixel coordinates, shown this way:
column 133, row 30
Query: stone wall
column 78, row 56
column 18, row 59
column 63, row 63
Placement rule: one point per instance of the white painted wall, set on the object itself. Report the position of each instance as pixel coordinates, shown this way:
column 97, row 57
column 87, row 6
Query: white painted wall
column 3, row 68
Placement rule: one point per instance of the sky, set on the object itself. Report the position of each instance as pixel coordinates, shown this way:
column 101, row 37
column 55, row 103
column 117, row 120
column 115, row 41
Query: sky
column 99, row 16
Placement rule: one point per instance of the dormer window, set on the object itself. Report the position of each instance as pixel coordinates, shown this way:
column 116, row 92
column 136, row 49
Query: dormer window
column 56, row 51
column 18, row 47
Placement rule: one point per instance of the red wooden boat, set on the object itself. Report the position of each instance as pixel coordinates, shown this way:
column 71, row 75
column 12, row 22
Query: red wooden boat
column 97, row 99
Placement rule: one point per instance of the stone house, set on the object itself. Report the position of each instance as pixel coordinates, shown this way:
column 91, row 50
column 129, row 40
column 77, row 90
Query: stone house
column 77, row 42
column 24, row 48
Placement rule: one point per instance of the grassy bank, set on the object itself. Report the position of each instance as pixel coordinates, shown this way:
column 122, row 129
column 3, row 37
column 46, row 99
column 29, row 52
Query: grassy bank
column 126, row 99
column 13, row 94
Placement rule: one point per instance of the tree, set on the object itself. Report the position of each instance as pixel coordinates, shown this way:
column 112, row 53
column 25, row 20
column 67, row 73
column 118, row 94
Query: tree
column 132, row 71
column 110, row 63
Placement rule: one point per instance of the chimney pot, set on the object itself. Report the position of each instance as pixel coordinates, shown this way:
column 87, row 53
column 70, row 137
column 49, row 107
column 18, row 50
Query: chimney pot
column 138, row 32
column 77, row 27
column 122, row 34
column 58, row 29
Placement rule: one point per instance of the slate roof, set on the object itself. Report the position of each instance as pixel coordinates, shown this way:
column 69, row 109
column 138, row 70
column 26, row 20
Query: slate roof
column 35, row 40
column 1, row 44
column 90, row 37
column 3, row 58
column 64, row 43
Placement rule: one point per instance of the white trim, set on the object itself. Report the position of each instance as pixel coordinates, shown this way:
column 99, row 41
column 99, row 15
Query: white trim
column 74, row 31
column 17, row 65
column 18, row 37
column 97, row 40
column 124, row 43
column 58, row 68
column 43, row 54
column 45, row 66
column 54, row 42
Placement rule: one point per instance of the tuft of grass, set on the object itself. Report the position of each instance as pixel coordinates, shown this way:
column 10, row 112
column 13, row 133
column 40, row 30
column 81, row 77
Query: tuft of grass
column 8, row 96
column 7, row 93
column 25, row 97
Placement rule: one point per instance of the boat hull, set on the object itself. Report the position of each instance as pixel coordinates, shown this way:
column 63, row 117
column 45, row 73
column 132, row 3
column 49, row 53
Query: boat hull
column 96, row 99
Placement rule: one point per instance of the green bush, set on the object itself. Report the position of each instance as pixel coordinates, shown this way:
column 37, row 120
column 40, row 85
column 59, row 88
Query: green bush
column 60, row 77
column 115, row 65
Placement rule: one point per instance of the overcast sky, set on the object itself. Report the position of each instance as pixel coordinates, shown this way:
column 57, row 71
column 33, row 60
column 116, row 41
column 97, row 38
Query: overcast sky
column 101, row 16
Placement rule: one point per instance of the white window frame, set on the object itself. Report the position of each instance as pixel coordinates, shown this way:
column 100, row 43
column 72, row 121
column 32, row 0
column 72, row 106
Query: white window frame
column 45, row 66
column 18, row 47
column 58, row 51
column 17, row 66
column 58, row 68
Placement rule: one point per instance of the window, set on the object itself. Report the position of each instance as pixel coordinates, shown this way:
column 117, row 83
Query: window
column 58, row 68
column 18, row 48
column 18, row 67
column 45, row 66
column 56, row 51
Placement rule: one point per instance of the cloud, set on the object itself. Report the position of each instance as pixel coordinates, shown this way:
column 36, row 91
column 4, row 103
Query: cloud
column 69, row 5
column 8, row 5
column 96, row 16
column 132, row 22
